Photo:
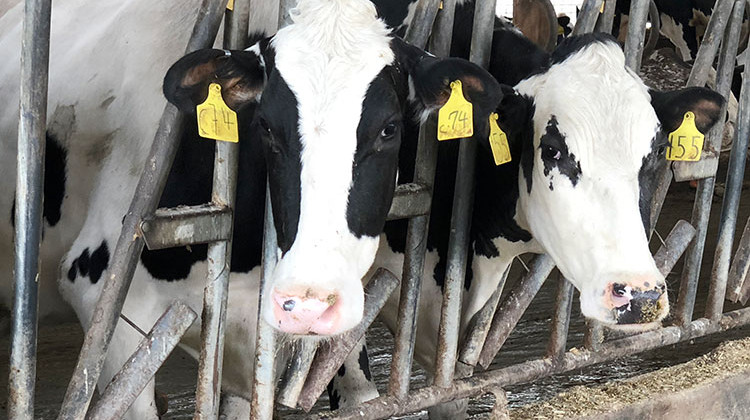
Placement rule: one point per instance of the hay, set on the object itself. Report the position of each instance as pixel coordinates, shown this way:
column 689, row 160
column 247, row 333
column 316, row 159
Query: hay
column 729, row 358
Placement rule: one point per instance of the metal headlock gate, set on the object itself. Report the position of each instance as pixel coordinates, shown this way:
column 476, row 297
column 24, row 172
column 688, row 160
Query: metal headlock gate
column 311, row 369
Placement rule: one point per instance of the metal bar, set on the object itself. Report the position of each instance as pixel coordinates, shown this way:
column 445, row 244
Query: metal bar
column 561, row 319
column 330, row 357
column 295, row 375
column 511, row 310
column 152, row 351
column 388, row 406
column 285, row 6
column 636, row 33
column 410, row 200
column 479, row 326
column 180, row 226
column 606, row 19
column 421, row 25
column 587, row 17
column 440, row 42
column 664, row 180
column 674, row 246
column 130, row 244
column 740, row 265
column 593, row 337
column 710, row 43
column 736, row 170
column 411, row 280
column 32, row 128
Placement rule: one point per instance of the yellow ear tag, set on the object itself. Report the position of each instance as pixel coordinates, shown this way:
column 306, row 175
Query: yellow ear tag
column 685, row 143
column 230, row 5
column 455, row 118
column 498, row 142
column 215, row 119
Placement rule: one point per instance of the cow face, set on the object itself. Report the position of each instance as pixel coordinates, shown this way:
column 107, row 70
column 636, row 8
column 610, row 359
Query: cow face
column 332, row 92
column 594, row 139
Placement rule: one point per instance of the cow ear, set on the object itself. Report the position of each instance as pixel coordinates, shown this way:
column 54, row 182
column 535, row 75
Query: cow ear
column 430, row 78
column 671, row 107
column 240, row 73
column 514, row 111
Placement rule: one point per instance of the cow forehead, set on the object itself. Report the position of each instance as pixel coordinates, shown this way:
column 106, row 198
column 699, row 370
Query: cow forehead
column 601, row 107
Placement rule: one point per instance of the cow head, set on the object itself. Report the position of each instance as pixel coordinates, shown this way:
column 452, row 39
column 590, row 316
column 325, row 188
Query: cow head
column 593, row 139
column 331, row 94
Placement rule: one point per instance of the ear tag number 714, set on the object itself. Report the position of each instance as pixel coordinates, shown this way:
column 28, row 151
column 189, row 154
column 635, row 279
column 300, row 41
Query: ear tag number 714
column 685, row 143
column 215, row 119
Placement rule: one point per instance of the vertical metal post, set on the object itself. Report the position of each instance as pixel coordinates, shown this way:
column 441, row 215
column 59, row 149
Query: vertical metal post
column 736, row 171
column 560, row 320
column 421, row 25
column 636, row 33
column 130, row 244
column 32, row 129
column 604, row 24
column 208, row 389
column 587, row 17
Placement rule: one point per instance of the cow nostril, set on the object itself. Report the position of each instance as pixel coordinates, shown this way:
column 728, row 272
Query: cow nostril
column 288, row 305
column 618, row 289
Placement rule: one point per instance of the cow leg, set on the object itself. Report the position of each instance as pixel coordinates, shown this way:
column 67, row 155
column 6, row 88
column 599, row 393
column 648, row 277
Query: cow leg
column 353, row 383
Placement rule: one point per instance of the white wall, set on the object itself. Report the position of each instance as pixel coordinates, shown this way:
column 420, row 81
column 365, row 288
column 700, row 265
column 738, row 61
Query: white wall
column 568, row 7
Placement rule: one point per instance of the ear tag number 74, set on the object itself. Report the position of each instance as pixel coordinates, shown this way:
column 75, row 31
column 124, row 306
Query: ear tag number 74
column 215, row 119
column 455, row 118
column 685, row 143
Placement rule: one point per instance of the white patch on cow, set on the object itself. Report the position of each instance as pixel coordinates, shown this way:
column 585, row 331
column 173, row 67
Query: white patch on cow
column 328, row 58
column 592, row 230
column 674, row 32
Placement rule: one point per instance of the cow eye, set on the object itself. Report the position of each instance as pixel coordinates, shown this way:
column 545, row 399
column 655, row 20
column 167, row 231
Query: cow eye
column 388, row 131
column 550, row 153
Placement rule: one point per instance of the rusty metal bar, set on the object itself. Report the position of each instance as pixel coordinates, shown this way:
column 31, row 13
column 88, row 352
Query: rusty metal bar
column 593, row 337
column 511, row 310
column 561, row 319
column 32, row 128
column 738, row 284
column 130, row 244
column 674, row 246
column 479, row 326
column 736, row 170
column 710, row 43
column 331, row 356
column 410, row 200
column 636, row 33
column 420, row 27
column 153, row 350
column 173, row 227
column 587, row 17
column 388, row 406
column 411, row 280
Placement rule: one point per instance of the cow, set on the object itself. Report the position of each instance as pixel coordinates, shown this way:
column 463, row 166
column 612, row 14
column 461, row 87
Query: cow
column 322, row 106
column 587, row 138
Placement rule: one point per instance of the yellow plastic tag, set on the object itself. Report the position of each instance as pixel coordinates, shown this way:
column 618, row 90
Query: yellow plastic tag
column 230, row 5
column 498, row 142
column 455, row 118
column 215, row 119
column 685, row 143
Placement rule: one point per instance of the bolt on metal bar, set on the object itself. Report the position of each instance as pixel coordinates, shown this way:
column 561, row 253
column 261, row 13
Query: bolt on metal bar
column 606, row 20
column 32, row 127
column 215, row 294
column 511, row 310
column 587, row 17
column 421, row 25
column 636, row 33
column 561, row 319
column 385, row 407
column 130, row 244
column 331, row 356
column 411, row 279
column 479, row 325
column 152, row 351
column 736, row 170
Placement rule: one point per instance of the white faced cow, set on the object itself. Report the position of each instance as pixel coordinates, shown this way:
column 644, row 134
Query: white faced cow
column 587, row 138
column 322, row 105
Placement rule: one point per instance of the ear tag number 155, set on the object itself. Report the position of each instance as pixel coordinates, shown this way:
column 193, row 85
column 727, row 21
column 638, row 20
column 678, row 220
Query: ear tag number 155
column 215, row 119
column 455, row 118
column 685, row 143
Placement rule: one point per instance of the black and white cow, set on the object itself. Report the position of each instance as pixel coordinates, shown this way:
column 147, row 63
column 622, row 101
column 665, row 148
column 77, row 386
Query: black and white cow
column 322, row 105
column 586, row 138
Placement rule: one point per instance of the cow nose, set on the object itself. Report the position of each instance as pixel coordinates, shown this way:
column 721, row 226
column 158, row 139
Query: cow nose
column 636, row 306
column 306, row 313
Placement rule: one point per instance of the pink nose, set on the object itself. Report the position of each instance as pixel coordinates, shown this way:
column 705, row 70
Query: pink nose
column 306, row 314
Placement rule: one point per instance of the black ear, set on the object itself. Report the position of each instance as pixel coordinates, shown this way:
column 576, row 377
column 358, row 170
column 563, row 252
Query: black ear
column 514, row 111
column 671, row 107
column 430, row 78
column 240, row 74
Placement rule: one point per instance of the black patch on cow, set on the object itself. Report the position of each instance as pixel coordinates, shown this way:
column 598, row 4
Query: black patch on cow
column 83, row 262
column 364, row 363
column 573, row 44
column 333, row 395
column 342, row 371
column 72, row 272
column 555, row 153
column 439, row 272
column 651, row 166
column 376, row 157
column 393, row 12
column 99, row 262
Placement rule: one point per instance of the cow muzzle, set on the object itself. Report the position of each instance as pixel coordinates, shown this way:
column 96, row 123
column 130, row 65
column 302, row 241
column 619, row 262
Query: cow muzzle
column 637, row 304
column 306, row 312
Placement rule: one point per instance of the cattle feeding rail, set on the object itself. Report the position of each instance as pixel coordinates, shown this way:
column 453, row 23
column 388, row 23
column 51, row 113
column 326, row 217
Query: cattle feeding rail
column 312, row 368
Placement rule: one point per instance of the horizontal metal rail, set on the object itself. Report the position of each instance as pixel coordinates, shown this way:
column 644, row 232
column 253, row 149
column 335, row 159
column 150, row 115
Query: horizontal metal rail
column 186, row 225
